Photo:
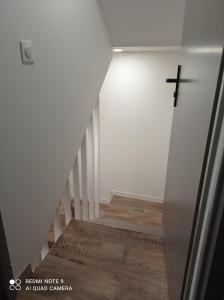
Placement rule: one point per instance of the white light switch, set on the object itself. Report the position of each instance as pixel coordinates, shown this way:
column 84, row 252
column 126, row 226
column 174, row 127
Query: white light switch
column 27, row 55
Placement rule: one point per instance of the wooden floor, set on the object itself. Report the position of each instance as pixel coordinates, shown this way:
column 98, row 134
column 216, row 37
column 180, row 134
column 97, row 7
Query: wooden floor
column 106, row 263
column 101, row 262
column 133, row 214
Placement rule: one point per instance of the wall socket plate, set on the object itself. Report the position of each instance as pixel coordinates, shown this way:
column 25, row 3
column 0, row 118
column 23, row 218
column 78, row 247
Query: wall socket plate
column 27, row 53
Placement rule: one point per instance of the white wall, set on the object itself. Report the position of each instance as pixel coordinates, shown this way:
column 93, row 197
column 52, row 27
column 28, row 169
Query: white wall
column 45, row 109
column 136, row 106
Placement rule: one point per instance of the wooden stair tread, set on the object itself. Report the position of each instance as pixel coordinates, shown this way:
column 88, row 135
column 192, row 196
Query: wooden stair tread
column 152, row 229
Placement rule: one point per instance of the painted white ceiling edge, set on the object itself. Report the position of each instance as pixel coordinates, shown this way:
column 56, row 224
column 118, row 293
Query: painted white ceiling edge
column 144, row 23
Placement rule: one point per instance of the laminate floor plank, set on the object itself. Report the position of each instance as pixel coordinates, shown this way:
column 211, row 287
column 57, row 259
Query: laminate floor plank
column 133, row 214
column 106, row 263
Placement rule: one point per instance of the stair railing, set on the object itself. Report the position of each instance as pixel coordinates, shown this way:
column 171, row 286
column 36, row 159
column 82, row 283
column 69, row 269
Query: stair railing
column 80, row 200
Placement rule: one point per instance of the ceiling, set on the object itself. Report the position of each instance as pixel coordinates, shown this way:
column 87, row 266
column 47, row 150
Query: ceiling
column 144, row 23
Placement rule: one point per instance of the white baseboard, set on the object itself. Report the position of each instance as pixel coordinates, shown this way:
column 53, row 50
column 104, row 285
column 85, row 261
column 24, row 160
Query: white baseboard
column 137, row 196
column 105, row 201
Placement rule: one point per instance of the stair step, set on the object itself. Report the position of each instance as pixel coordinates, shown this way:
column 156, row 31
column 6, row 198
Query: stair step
column 62, row 220
column 151, row 229
column 50, row 244
column 51, row 237
column 61, row 205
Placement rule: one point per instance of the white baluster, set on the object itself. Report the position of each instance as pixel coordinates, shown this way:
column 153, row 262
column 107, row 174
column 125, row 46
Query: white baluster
column 96, row 151
column 44, row 250
column 67, row 204
column 76, row 189
column 90, row 169
column 57, row 225
column 80, row 172
column 85, row 204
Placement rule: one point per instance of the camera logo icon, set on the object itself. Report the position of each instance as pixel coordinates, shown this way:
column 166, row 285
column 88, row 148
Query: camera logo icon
column 15, row 285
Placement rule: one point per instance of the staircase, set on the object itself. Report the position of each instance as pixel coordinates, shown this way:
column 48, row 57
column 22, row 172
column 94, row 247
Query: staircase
column 103, row 263
column 44, row 114
column 80, row 200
